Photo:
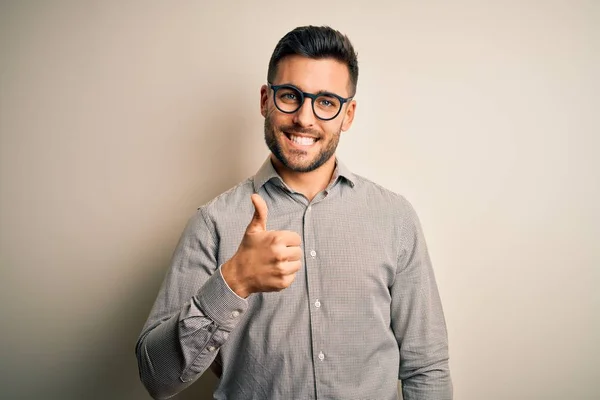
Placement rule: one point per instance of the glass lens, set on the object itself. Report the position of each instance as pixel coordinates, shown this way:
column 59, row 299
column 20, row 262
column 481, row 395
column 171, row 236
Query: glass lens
column 327, row 106
column 288, row 99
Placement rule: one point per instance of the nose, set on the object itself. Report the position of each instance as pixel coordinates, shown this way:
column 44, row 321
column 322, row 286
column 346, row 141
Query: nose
column 304, row 116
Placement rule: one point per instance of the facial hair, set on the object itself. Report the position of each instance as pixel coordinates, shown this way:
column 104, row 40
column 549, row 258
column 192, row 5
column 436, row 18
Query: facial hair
column 287, row 160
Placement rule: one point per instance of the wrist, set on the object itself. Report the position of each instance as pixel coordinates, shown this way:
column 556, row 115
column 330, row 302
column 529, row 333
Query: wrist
column 230, row 272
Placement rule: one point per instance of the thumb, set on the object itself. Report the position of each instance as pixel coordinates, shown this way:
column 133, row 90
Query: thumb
column 259, row 219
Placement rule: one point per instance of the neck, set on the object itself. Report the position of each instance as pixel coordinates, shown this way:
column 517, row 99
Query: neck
column 307, row 183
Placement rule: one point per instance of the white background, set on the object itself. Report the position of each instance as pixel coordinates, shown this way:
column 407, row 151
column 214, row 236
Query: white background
column 119, row 118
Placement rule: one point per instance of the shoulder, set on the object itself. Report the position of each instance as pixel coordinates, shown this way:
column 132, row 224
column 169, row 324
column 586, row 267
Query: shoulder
column 226, row 209
column 235, row 199
column 381, row 197
column 393, row 210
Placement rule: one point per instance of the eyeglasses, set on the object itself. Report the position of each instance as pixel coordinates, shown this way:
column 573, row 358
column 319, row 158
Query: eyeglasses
column 288, row 99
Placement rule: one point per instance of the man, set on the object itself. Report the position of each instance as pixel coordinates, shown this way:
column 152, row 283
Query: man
column 306, row 281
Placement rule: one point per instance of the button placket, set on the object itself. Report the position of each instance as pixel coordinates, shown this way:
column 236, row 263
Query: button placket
column 313, row 292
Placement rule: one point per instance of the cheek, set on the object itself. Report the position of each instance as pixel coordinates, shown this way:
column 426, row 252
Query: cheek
column 278, row 119
column 331, row 130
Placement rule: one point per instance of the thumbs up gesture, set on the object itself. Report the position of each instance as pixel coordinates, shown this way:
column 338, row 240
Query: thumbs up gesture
column 266, row 261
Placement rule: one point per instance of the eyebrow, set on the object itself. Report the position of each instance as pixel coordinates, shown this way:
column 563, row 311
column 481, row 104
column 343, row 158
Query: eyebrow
column 327, row 92
column 322, row 91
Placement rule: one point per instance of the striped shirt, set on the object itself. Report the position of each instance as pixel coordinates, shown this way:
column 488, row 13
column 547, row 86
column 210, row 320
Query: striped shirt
column 362, row 312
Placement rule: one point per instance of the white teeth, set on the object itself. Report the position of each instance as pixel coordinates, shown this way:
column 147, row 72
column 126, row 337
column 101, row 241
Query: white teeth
column 305, row 141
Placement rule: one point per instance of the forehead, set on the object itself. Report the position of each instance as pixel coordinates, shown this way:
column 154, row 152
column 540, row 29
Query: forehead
column 314, row 75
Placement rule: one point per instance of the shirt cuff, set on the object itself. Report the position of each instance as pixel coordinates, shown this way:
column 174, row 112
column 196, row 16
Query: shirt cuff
column 220, row 303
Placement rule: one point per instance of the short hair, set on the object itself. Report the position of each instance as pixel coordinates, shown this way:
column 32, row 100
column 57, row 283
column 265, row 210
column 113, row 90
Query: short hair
column 316, row 42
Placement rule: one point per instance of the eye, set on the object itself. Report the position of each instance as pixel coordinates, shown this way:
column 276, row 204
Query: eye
column 327, row 101
column 288, row 96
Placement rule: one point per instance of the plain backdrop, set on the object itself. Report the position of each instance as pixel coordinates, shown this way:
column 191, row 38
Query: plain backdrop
column 119, row 118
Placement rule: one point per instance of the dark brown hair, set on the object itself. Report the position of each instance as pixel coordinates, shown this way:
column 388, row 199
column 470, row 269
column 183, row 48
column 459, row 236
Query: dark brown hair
column 316, row 42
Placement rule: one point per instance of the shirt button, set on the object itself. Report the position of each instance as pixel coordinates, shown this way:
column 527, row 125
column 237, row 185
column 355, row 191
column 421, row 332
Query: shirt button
column 321, row 356
column 309, row 208
column 313, row 253
column 235, row 314
column 211, row 348
column 317, row 303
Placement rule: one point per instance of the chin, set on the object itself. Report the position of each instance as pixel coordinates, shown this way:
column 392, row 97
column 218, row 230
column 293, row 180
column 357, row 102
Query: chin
column 305, row 165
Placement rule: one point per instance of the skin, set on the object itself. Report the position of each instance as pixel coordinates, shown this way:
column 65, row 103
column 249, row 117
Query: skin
column 267, row 261
column 296, row 162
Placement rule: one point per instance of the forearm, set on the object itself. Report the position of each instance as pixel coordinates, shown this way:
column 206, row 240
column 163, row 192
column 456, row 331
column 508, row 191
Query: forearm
column 424, row 355
column 432, row 382
column 423, row 341
column 161, row 360
column 177, row 350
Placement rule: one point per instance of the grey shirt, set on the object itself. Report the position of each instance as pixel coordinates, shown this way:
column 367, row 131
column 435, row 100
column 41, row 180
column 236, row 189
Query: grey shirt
column 363, row 311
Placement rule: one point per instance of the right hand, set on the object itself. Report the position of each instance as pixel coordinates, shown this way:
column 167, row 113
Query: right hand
column 266, row 261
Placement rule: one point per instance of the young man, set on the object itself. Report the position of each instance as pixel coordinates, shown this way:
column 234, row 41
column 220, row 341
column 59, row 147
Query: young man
column 306, row 281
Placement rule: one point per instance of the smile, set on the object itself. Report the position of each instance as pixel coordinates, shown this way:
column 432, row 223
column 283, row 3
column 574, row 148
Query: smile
column 301, row 140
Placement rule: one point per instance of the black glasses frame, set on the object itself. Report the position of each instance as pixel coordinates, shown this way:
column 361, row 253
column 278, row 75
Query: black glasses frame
column 311, row 96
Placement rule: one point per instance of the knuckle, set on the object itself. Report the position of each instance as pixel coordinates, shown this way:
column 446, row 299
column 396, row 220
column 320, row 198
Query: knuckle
column 279, row 256
column 277, row 239
column 279, row 270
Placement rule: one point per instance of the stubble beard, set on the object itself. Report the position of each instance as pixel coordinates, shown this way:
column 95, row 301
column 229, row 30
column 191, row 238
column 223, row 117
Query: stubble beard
column 288, row 160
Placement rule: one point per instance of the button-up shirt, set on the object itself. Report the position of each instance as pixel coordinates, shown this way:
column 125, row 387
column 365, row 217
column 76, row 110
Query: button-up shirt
column 362, row 312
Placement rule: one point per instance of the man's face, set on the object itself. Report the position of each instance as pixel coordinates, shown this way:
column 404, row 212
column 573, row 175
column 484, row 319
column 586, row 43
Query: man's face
column 301, row 141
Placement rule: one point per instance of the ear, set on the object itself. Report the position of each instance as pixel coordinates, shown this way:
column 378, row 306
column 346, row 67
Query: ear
column 264, row 100
column 349, row 116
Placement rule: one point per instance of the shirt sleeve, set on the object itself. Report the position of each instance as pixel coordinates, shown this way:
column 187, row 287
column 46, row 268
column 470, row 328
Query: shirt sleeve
column 418, row 319
column 192, row 316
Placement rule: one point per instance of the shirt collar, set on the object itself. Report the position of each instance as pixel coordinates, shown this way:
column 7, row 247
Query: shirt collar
column 267, row 172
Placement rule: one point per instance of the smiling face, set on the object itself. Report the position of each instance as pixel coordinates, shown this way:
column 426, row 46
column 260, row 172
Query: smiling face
column 300, row 141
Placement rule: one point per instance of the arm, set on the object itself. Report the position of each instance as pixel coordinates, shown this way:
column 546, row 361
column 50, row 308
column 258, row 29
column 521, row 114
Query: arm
column 418, row 319
column 193, row 314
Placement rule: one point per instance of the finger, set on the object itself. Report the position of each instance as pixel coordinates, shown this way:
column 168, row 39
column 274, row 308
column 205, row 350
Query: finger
column 289, row 238
column 259, row 219
column 292, row 267
column 292, row 253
